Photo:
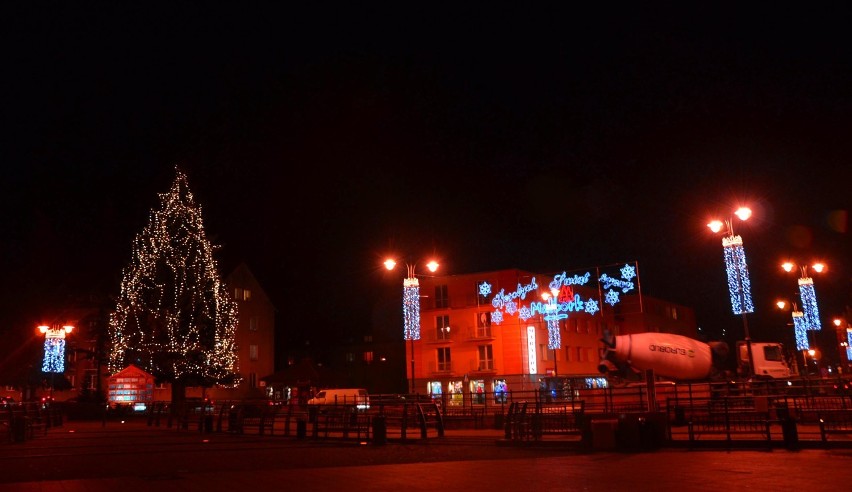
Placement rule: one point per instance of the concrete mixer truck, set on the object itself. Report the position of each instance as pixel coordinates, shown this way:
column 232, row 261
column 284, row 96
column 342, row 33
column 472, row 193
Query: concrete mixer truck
column 681, row 358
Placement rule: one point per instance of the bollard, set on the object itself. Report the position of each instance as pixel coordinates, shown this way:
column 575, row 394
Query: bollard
column 19, row 430
column 380, row 430
column 301, row 428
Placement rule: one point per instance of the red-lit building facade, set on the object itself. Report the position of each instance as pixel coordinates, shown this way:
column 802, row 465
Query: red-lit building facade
column 485, row 333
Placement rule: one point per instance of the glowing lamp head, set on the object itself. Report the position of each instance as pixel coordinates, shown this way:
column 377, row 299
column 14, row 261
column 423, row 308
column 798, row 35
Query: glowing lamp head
column 68, row 328
column 818, row 267
column 837, row 321
column 787, row 266
column 781, row 304
column 43, row 328
column 743, row 213
column 715, row 225
column 390, row 264
column 432, row 265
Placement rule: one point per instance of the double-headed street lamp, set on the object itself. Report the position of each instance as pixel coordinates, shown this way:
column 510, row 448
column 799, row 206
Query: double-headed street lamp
column 739, row 285
column 552, row 316
column 800, row 331
column 54, row 350
column 411, row 305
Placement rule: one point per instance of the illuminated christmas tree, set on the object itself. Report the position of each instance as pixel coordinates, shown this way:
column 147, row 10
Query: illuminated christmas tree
column 174, row 316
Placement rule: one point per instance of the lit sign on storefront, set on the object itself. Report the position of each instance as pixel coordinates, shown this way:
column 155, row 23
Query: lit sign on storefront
column 531, row 354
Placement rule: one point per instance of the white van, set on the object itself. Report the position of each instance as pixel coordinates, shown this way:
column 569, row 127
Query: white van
column 342, row 396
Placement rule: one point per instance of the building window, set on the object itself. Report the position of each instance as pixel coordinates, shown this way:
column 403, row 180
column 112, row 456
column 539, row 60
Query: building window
column 444, row 361
column 544, row 351
column 368, row 356
column 442, row 300
column 241, row 294
column 442, row 323
column 91, row 381
column 486, row 358
column 253, row 323
column 253, row 352
column 252, row 380
column 483, row 324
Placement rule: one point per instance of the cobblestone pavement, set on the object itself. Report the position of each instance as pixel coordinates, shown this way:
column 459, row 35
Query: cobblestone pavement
column 135, row 457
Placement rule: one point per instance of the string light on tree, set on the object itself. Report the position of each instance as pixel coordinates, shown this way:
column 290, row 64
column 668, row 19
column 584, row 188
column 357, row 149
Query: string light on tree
column 174, row 316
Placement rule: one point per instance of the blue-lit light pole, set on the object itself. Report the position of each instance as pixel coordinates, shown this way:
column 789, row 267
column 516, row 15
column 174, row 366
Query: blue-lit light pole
column 54, row 350
column 809, row 318
column 411, row 305
column 552, row 316
column 739, row 285
column 800, row 332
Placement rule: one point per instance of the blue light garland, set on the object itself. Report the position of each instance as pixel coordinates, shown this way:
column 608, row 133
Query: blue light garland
column 54, row 355
column 411, row 308
column 739, row 285
column 801, row 331
column 809, row 303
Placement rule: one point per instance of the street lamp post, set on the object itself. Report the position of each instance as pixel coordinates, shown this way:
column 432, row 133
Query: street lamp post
column 411, row 305
column 809, row 315
column 844, row 337
column 552, row 316
column 739, row 285
column 800, row 331
column 54, row 350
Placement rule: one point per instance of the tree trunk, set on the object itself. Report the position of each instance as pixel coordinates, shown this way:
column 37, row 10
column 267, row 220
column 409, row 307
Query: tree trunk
column 178, row 397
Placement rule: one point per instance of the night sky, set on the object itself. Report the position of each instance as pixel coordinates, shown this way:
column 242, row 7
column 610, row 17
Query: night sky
column 317, row 140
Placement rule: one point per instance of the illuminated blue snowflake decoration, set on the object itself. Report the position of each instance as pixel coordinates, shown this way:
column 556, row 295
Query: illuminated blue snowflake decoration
column 54, row 355
column 497, row 317
column 592, row 306
column 524, row 313
column 628, row 272
column 739, row 285
column 800, row 329
column 554, row 339
column 411, row 309
column 612, row 298
column 809, row 303
column 511, row 308
column 484, row 289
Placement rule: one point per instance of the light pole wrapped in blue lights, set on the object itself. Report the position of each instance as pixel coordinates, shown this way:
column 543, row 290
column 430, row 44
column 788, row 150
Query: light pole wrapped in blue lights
column 808, row 319
column 411, row 306
column 54, row 348
column 807, row 293
column 739, row 284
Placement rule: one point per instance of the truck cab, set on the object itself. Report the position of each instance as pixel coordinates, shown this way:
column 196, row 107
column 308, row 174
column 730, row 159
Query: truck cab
column 768, row 358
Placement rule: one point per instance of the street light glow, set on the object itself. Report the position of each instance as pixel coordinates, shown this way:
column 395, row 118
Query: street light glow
column 743, row 213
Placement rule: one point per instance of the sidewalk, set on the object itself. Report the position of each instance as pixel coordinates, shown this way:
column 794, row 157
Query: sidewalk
column 134, row 457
